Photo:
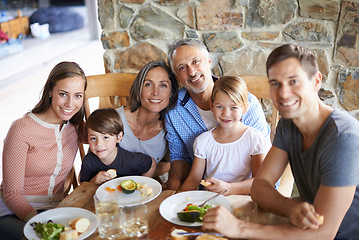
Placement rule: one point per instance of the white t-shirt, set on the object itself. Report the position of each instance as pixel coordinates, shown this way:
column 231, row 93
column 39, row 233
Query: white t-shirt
column 230, row 162
column 208, row 118
column 155, row 147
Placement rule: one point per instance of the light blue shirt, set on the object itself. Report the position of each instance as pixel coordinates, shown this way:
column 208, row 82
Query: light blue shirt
column 155, row 147
column 184, row 123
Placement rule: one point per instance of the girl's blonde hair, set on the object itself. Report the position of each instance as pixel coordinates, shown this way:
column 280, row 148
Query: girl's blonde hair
column 234, row 87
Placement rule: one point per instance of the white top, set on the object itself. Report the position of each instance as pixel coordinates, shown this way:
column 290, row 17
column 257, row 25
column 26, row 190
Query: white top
column 208, row 118
column 230, row 162
column 155, row 147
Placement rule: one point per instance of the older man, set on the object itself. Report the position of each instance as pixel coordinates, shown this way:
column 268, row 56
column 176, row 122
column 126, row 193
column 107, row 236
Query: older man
column 189, row 60
column 321, row 145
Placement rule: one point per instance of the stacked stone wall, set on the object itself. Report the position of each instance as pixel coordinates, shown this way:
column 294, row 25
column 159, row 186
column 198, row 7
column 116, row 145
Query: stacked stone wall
column 239, row 34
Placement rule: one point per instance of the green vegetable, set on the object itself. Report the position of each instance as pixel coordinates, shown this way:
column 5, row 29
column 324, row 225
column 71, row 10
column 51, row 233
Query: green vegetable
column 193, row 213
column 128, row 186
column 48, row 231
column 189, row 216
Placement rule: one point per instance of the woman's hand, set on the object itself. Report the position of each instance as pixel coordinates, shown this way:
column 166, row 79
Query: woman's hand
column 218, row 186
column 101, row 177
column 303, row 216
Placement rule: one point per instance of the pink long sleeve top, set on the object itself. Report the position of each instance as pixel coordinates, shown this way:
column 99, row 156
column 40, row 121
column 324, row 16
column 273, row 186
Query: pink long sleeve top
column 37, row 157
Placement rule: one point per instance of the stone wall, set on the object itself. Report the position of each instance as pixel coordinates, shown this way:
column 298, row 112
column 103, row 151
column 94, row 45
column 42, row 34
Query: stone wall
column 239, row 35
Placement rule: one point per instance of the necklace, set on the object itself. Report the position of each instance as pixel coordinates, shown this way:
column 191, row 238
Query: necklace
column 137, row 126
column 150, row 128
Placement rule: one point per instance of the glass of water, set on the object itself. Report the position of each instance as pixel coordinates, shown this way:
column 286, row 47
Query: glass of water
column 134, row 220
column 108, row 216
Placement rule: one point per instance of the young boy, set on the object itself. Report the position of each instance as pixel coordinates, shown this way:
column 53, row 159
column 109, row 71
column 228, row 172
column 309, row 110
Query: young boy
column 104, row 130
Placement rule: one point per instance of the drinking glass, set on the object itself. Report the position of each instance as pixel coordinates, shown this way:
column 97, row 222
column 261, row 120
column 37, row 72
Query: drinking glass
column 108, row 216
column 134, row 220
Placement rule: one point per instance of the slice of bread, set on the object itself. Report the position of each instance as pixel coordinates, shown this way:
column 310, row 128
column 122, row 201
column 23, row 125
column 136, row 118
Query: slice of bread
column 69, row 235
column 320, row 219
column 176, row 236
column 146, row 191
column 206, row 184
column 80, row 224
column 112, row 172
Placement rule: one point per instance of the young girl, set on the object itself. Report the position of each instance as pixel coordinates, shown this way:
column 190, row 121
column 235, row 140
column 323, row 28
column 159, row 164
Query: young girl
column 105, row 130
column 229, row 155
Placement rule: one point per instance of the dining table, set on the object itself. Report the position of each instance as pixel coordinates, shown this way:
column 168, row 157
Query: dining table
column 159, row 228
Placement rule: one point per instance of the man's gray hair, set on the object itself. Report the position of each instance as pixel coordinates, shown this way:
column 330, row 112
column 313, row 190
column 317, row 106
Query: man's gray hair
column 191, row 42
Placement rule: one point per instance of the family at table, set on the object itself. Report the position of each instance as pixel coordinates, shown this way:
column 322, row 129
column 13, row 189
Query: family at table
column 214, row 130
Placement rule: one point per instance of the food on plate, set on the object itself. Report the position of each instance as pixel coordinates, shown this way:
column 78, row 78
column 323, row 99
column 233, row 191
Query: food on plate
column 48, row 231
column 193, row 213
column 80, row 224
column 320, row 219
column 176, row 236
column 69, row 234
column 145, row 191
column 189, row 216
column 128, row 186
column 55, row 231
column 209, row 237
column 112, row 172
column 206, row 184
column 110, row 190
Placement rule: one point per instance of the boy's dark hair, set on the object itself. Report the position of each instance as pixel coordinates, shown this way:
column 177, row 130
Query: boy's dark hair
column 105, row 120
column 304, row 55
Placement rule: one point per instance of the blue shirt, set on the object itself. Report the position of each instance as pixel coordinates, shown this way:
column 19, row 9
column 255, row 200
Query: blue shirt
column 184, row 123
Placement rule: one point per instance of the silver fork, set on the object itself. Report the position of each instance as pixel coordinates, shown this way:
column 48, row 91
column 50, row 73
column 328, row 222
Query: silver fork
column 204, row 203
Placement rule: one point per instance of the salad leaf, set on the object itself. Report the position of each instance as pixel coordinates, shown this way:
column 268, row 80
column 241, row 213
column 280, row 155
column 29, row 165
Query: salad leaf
column 48, row 231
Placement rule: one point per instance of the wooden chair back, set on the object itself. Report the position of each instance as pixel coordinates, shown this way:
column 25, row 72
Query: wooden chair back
column 106, row 87
column 112, row 91
column 259, row 86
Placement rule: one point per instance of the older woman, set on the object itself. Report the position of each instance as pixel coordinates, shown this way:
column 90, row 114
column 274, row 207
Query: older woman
column 153, row 93
column 40, row 148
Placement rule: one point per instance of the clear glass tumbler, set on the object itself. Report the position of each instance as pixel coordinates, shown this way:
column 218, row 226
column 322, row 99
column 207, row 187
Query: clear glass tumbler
column 134, row 220
column 108, row 216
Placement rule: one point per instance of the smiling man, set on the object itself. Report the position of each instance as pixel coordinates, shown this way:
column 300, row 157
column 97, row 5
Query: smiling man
column 189, row 60
column 321, row 145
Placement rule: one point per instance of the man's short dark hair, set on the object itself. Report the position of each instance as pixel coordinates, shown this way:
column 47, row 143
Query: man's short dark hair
column 304, row 55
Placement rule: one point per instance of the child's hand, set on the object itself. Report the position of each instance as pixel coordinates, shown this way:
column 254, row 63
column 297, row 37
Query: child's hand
column 101, row 177
column 218, row 186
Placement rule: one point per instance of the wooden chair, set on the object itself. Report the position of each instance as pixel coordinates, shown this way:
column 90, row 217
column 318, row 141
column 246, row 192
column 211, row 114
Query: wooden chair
column 258, row 85
column 111, row 90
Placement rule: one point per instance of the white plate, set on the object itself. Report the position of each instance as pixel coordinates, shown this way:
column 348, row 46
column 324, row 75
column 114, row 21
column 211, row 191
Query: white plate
column 176, row 203
column 62, row 216
column 134, row 198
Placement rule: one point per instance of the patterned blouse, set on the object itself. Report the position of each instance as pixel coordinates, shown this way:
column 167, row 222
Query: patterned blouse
column 37, row 157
